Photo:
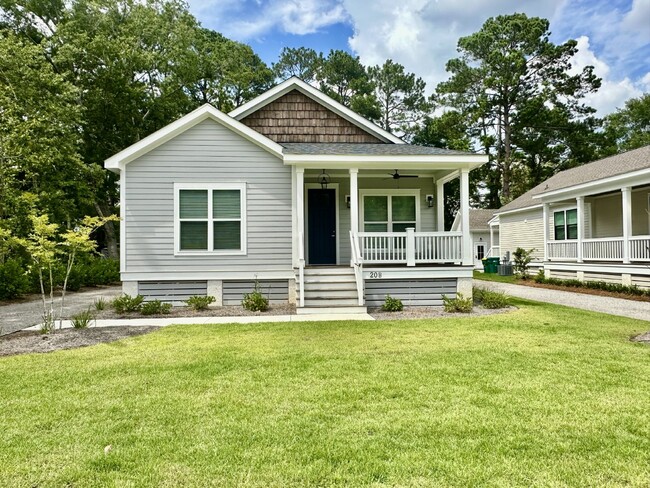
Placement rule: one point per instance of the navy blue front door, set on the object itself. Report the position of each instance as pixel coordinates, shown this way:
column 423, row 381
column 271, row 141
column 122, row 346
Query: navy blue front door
column 321, row 222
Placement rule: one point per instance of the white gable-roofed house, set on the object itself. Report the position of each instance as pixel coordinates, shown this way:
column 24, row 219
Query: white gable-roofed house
column 484, row 234
column 591, row 222
column 294, row 190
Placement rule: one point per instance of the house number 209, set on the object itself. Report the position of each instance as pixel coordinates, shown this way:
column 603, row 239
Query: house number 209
column 375, row 274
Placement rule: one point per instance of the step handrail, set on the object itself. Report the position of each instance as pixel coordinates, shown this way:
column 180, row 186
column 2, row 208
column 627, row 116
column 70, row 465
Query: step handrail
column 357, row 265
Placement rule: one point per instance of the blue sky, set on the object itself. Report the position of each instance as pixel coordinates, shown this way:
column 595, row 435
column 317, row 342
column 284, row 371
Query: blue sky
column 613, row 35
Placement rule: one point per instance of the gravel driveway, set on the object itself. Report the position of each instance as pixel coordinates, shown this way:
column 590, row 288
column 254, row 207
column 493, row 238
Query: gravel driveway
column 17, row 316
column 596, row 303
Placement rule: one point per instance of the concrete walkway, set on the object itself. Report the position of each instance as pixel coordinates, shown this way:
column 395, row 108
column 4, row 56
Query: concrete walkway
column 17, row 316
column 613, row 306
column 248, row 319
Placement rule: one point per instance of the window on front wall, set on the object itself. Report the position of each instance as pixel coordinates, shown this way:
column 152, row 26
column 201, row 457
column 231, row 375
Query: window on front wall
column 388, row 213
column 210, row 219
column 566, row 224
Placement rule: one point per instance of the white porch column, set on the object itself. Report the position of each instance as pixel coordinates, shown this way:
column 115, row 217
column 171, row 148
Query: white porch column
column 581, row 225
column 545, row 212
column 464, row 214
column 491, row 237
column 300, row 209
column 627, row 222
column 440, row 205
column 354, row 200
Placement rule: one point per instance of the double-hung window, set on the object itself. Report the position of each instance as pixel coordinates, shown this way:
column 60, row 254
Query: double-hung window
column 389, row 212
column 210, row 218
column 565, row 223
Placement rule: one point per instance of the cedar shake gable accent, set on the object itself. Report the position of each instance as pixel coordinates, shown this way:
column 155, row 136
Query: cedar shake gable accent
column 295, row 117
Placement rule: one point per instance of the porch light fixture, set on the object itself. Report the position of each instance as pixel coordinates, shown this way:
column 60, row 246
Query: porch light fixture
column 324, row 179
column 347, row 201
column 429, row 201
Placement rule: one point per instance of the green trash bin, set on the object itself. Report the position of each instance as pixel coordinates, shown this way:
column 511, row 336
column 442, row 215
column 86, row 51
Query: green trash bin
column 491, row 265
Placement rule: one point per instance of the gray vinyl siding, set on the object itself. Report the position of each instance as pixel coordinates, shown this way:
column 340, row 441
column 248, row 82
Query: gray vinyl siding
column 427, row 214
column 277, row 291
column 522, row 229
column 207, row 153
column 425, row 292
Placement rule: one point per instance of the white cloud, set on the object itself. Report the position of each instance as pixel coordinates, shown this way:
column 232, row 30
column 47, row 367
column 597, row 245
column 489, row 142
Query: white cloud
column 612, row 93
column 423, row 34
column 243, row 21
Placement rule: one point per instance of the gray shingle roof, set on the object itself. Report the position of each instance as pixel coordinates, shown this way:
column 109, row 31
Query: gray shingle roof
column 619, row 164
column 478, row 218
column 365, row 149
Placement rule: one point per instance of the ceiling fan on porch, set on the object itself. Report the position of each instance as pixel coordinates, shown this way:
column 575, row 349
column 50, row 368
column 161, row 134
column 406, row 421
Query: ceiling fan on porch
column 397, row 176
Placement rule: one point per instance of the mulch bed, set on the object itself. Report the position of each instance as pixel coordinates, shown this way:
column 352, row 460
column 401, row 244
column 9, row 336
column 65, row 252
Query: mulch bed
column 29, row 341
column 227, row 311
column 432, row 312
column 585, row 291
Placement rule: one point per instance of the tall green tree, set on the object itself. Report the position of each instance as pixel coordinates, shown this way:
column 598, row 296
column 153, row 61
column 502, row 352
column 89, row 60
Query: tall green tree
column 507, row 66
column 345, row 79
column 402, row 101
column 40, row 122
column 302, row 62
column 629, row 127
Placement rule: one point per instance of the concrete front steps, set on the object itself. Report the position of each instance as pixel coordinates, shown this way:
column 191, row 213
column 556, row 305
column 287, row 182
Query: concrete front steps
column 330, row 290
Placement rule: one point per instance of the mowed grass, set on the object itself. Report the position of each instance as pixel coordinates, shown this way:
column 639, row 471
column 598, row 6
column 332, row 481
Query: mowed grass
column 542, row 396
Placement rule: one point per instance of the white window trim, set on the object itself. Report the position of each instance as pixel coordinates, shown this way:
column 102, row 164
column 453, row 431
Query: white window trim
column 564, row 209
column 390, row 192
column 209, row 187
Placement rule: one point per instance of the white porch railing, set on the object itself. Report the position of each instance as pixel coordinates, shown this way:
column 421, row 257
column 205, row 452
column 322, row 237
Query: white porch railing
column 357, row 264
column 640, row 248
column 301, row 269
column 602, row 249
column 494, row 252
column 562, row 250
column 410, row 247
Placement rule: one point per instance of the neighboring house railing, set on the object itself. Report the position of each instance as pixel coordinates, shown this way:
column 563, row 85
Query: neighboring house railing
column 410, row 247
column 301, row 269
column 494, row 252
column 605, row 249
column 602, row 249
column 562, row 250
column 640, row 248
column 357, row 264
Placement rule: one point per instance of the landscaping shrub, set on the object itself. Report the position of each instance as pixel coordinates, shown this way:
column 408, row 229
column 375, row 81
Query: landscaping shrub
column 126, row 303
column 100, row 304
column 490, row 299
column 255, row 301
column 594, row 285
column 155, row 307
column 83, row 319
column 199, row 302
column 13, row 279
column 460, row 304
column 522, row 259
column 88, row 271
column 392, row 304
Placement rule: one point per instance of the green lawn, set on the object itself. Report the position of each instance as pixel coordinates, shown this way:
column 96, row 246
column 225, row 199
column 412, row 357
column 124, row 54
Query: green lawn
column 543, row 396
column 478, row 275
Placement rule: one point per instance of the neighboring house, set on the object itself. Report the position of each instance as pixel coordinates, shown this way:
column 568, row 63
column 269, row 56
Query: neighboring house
column 294, row 190
column 485, row 236
column 597, row 220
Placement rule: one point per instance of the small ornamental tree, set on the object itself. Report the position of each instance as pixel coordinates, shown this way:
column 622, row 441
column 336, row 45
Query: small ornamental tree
column 46, row 247
column 43, row 248
column 522, row 259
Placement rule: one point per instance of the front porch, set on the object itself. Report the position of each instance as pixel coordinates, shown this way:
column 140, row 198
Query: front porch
column 385, row 230
column 612, row 227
